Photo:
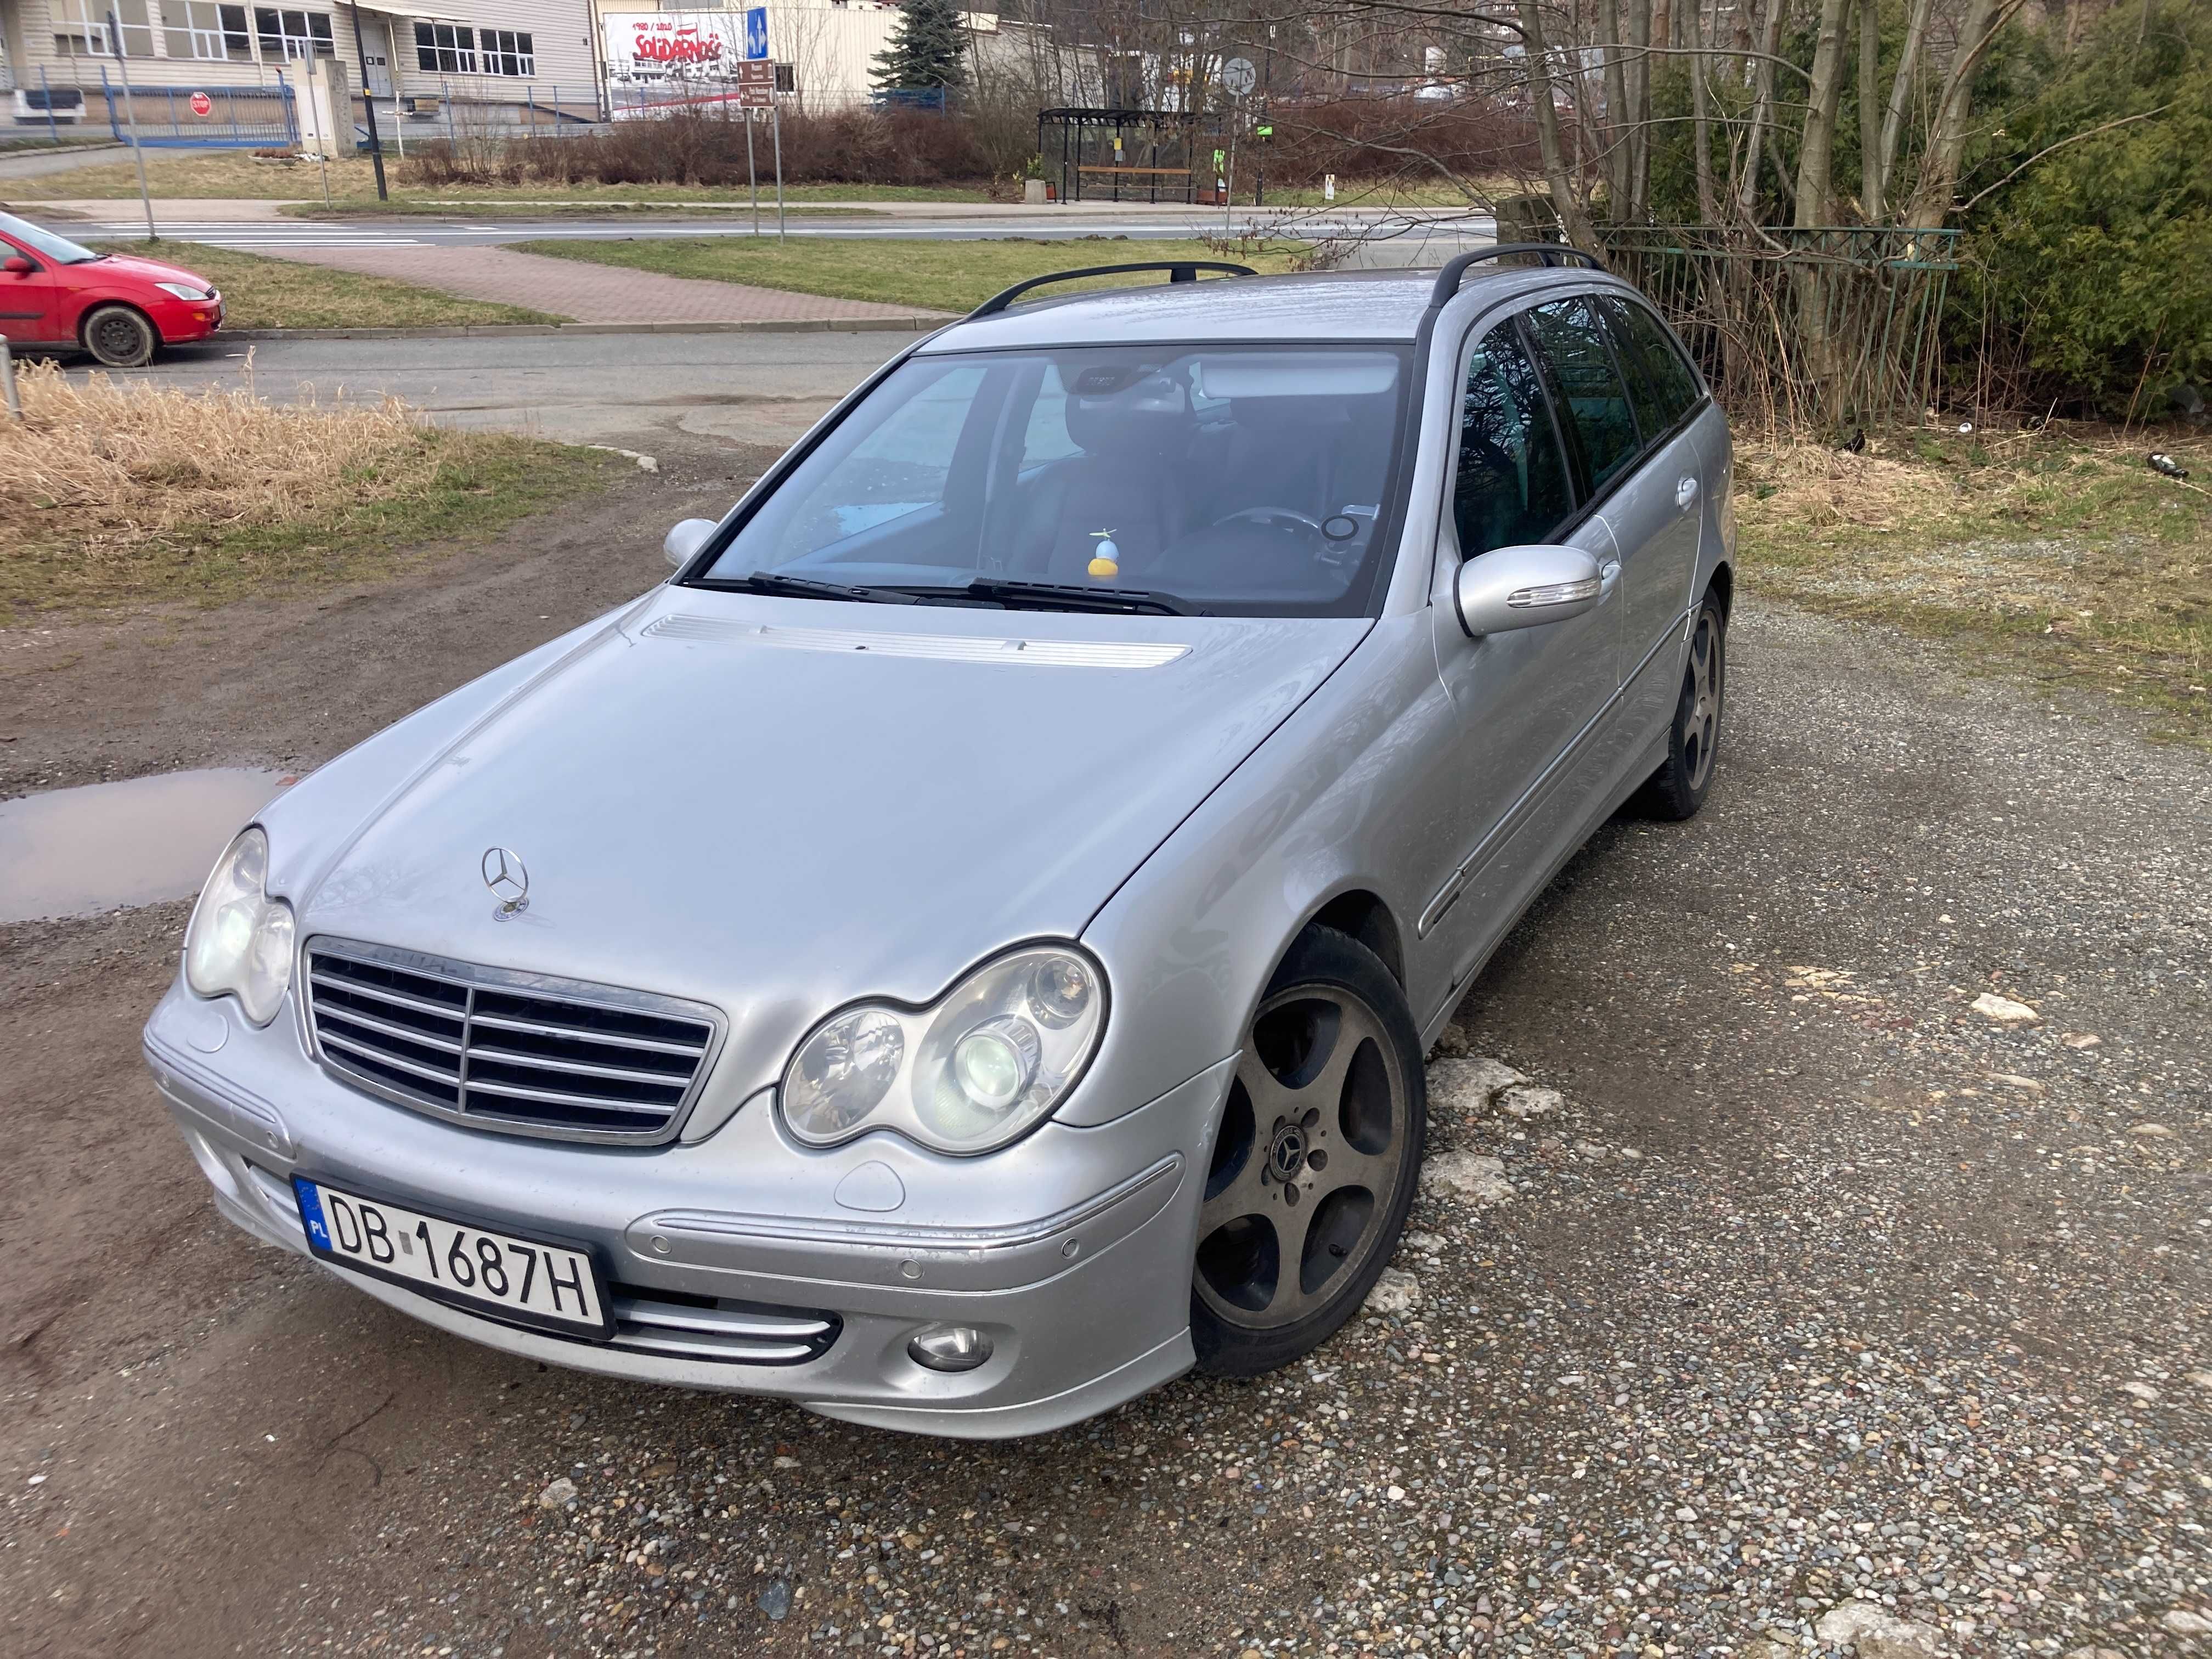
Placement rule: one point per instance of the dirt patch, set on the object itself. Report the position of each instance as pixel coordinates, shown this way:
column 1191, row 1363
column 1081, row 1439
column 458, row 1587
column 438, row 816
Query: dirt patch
column 172, row 687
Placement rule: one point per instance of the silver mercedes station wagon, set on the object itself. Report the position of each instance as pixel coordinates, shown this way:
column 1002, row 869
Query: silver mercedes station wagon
column 960, row 953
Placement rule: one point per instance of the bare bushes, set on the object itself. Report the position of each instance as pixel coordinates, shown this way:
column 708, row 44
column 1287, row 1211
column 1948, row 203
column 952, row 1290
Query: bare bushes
column 707, row 148
column 1409, row 141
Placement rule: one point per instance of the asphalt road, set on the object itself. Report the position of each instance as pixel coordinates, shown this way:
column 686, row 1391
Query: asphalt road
column 630, row 390
column 269, row 235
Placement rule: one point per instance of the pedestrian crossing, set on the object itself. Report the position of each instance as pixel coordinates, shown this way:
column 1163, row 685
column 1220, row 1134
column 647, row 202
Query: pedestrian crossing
column 251, row 236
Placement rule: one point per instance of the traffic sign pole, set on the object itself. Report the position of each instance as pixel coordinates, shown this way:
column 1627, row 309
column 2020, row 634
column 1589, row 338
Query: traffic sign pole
column 776, row 113
column 138, row 150
column 1237, row 78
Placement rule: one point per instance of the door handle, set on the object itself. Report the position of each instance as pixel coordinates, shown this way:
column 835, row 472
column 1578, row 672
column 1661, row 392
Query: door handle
column 1608, row 578
column 1686, row 491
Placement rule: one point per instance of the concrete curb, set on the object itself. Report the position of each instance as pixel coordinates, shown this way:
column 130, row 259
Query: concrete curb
column 497, row 330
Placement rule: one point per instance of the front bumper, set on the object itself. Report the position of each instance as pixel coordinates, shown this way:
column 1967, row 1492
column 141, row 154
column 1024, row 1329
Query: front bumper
column 181, row 322
column 1070, row 1250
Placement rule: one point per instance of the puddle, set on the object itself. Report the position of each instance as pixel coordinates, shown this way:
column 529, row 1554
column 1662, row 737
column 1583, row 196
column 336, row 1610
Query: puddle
column 83, row 852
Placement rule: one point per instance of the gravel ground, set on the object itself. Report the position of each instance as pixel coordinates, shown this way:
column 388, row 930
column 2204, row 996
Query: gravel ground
column 1810, row 1260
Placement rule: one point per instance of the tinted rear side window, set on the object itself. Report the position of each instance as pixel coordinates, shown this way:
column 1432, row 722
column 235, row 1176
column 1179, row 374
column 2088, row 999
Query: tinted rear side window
column 1575, row 348
column 1510, row 486
column 1658, row 375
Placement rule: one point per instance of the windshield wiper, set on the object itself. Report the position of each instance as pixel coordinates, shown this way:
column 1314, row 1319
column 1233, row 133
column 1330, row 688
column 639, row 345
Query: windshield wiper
column 1017, row 595
column 806, row 587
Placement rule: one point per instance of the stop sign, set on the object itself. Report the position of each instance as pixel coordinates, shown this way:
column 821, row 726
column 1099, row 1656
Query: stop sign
column 202, row 105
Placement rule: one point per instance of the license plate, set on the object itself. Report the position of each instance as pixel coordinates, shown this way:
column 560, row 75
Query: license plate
column 521, row 1280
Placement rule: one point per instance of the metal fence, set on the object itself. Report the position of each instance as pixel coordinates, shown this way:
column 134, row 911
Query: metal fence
column 261, row 116
column 1803, row 329
column 252, row 115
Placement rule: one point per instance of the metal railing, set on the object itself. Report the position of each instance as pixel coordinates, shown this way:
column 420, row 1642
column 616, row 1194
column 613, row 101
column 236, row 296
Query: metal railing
column 261, row 115
column 1802, row 329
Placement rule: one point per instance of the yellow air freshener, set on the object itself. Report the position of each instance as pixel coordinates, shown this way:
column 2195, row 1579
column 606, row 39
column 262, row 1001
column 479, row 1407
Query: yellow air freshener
column 1106, row 562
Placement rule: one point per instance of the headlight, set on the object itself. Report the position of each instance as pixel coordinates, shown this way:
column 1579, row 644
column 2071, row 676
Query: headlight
column 971, row 1073
column 187, row 291
column 238, row 942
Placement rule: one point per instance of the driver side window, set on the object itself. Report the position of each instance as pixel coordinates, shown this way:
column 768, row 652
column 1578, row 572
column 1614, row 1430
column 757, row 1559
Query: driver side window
column 1510, row 486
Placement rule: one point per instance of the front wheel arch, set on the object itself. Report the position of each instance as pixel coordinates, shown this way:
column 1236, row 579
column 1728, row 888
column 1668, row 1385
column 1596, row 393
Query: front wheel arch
column 1364, row 1230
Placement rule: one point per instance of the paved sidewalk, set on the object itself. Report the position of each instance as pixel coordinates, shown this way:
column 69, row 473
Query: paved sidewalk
column 592, row 293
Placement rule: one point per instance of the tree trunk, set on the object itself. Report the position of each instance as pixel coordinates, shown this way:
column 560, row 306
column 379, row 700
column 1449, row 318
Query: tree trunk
column 1870, row 173
column 1619, row 117
column 1639, row 103
column 1939, row 173
column 1762, row 108
column 1900, row 89
column 1538, row 59
column 1701, row 105
column 1816, row 152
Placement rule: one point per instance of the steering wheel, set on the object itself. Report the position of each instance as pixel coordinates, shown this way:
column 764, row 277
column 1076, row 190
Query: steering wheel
column 1263, row 514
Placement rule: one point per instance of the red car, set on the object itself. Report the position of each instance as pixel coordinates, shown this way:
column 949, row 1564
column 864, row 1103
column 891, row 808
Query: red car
column 57, row 296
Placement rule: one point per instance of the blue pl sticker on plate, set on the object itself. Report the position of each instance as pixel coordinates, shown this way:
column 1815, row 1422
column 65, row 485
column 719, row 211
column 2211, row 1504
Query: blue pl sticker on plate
column 311, row 1211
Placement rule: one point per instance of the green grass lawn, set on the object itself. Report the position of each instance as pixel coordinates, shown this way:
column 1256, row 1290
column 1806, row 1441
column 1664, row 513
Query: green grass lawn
column 931, row 275
column 259, row 293
column 234, row 175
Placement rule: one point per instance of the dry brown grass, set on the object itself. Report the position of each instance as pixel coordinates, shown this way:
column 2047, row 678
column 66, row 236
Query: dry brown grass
column 2059, row 550
column 113, row 492
column 120, row 462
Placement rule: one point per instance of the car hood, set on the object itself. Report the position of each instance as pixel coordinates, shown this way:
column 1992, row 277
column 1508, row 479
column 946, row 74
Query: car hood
column 150, row 270
column 778, row 805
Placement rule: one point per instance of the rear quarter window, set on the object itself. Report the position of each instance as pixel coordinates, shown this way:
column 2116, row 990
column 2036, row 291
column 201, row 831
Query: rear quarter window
column 1659, row 377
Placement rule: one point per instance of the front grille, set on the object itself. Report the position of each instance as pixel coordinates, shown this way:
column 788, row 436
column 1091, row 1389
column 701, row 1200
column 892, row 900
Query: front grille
column 500, row 1050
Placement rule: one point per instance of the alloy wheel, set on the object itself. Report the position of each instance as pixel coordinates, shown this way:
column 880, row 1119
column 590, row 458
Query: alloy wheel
column 1701, row 701
column 1310, row 1159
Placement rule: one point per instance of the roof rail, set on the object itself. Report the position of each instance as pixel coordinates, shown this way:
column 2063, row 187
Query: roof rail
column 1179, row 270
column 1448, row 279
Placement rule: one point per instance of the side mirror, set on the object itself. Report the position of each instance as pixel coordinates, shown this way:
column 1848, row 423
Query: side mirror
column 1512, row 587
column 686, row 540
column 16, row 266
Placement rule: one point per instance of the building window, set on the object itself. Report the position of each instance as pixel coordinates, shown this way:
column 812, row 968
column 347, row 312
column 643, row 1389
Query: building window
column 215, row 32
column 445, row 49
column 298, row 35
column 506, row 51
column 80, row 27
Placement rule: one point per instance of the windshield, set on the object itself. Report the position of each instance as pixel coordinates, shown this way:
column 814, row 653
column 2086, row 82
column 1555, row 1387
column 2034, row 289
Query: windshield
column 1236, row 481
column 45, row 243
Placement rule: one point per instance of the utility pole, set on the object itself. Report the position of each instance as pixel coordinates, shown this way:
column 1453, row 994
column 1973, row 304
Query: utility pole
column 368, row 103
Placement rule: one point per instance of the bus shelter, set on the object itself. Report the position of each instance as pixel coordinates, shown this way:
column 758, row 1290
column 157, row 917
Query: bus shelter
column 1128, row 154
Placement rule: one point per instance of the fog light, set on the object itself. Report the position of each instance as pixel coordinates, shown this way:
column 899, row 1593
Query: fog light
column 956, row 1348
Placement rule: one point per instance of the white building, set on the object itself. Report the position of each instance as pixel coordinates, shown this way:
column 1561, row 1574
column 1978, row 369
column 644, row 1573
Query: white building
column 514, row 60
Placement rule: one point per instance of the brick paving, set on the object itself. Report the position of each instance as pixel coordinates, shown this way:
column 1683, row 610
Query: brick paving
column 590, row 293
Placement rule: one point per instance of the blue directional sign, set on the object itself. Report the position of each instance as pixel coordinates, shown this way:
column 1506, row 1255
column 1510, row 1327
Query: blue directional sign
column 756, row 32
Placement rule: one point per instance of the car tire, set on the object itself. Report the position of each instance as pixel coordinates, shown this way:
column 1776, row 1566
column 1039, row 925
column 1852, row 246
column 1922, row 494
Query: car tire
column 121, row 336
column 1681, row 784
column 1329, row 1093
